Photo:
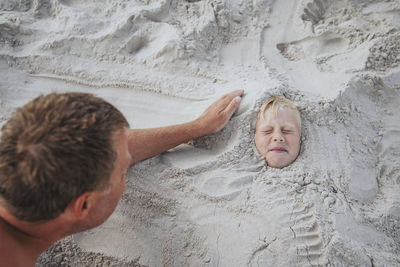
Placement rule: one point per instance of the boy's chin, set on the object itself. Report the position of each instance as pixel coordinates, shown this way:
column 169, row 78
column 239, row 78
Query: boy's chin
column 278, row 164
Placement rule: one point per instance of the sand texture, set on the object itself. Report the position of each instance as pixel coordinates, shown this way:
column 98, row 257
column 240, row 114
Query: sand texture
column 213, row 201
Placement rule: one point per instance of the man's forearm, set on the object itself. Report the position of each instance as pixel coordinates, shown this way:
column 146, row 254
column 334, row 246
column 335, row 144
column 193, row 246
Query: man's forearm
column 146, row 143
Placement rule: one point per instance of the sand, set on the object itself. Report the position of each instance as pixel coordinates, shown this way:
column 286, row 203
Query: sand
column 213, row 201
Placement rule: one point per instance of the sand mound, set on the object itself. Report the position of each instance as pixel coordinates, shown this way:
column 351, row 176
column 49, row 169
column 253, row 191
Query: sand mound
column 213, row 202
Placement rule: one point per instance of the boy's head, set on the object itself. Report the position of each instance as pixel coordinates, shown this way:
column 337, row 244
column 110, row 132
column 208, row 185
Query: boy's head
column 278, row 130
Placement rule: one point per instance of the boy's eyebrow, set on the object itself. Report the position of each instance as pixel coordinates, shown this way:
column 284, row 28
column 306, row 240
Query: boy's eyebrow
column 289, row 125
column 264, row 126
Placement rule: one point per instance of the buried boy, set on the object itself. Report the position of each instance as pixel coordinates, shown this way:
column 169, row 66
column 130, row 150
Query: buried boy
column 278, row 131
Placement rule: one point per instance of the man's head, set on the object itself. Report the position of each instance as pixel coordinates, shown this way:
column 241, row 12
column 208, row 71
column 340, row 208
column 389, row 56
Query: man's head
column 57, row 148
column 278, row 130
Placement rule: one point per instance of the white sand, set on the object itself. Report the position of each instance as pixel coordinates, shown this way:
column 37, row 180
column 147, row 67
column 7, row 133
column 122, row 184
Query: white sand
column 213, row 202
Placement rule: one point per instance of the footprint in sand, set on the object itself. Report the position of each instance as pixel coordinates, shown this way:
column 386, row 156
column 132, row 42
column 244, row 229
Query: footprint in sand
column 224, row 183
column 315, row 10
column 326, row 44
column 299, row 232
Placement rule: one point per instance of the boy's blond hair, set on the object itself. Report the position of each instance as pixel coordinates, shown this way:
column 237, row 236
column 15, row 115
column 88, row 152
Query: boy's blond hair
column 275, row 103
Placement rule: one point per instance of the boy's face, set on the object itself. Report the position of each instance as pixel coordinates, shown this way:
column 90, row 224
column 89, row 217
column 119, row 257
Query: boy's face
column 278, row 137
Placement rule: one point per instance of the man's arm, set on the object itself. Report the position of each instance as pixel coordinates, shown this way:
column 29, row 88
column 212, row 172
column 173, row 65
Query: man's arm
column 145, row 143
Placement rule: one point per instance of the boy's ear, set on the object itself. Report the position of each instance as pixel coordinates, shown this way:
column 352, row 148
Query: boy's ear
column 254, row 124
column 80, row 206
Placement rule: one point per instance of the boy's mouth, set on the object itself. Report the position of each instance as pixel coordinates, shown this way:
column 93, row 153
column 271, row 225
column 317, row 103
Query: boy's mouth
column 278, row 149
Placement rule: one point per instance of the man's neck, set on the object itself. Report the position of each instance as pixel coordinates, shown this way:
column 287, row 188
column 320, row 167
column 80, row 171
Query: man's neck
column 17, row 239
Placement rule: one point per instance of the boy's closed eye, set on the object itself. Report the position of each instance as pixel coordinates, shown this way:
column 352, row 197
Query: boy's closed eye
column 287, row 131
column 266, row 131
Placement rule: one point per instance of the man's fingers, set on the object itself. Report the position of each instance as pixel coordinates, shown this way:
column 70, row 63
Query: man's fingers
column 233, row 105
column 216, row 116
column 227, row 99
column 236, row 93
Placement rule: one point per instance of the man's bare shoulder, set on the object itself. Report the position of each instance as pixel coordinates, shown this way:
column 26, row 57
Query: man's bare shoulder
column 10, row 248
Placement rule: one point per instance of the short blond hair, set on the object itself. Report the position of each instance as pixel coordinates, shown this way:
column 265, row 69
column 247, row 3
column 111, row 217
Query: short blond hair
column 275, row 103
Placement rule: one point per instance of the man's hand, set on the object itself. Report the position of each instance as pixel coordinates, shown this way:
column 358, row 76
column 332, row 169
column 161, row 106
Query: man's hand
column 145, row 143
column 216, row 116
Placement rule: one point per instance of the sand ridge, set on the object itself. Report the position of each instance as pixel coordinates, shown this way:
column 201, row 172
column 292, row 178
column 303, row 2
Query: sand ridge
column 213, row 201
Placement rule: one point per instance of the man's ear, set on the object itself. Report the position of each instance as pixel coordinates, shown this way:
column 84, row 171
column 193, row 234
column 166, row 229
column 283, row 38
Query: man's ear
column 80, row 206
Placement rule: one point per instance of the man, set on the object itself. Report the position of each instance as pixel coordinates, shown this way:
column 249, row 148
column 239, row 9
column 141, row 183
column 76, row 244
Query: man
column 278, row 131
column 63, row 159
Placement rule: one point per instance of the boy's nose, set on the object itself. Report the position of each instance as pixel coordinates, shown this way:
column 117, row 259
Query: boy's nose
column 278, row 137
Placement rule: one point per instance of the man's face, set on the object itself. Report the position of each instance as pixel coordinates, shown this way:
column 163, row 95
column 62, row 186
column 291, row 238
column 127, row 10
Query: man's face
column 109, row 198
column 278, row 137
